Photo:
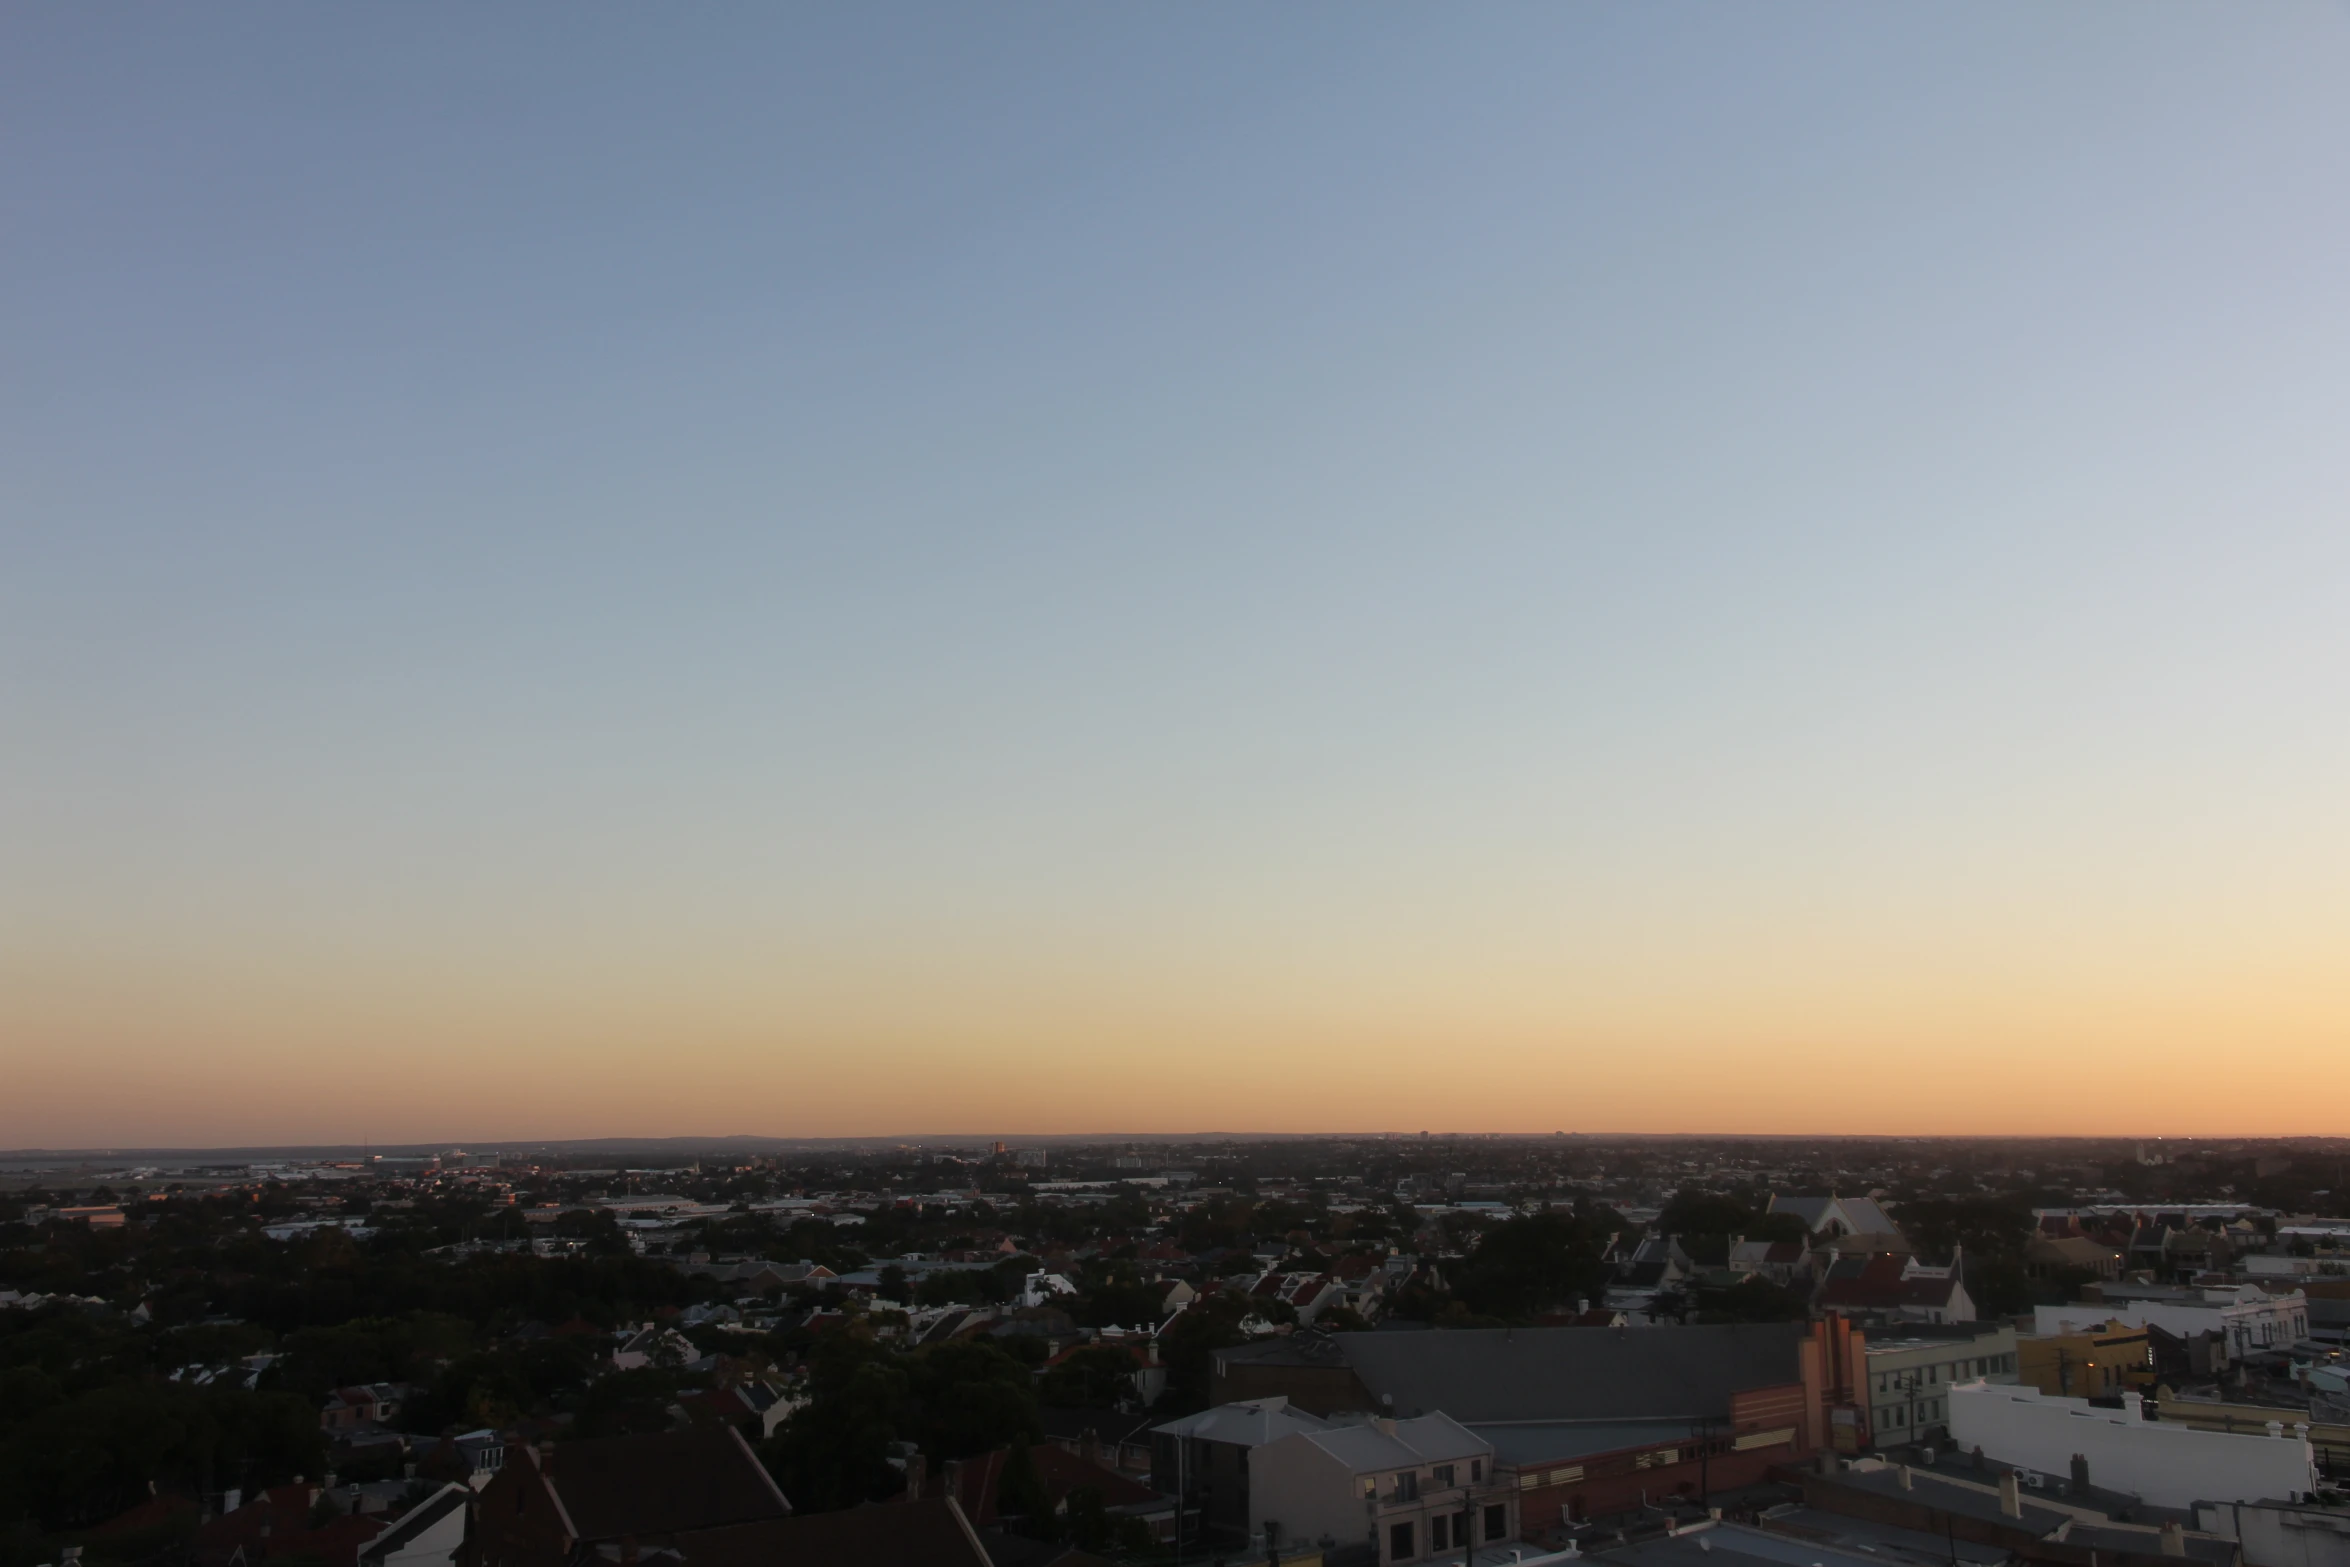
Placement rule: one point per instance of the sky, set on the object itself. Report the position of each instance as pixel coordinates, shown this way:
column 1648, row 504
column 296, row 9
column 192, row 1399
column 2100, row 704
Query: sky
column 595, row 570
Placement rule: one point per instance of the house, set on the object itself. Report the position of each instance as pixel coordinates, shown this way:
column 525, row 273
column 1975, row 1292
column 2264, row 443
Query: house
column 812, row 1275
column 1308, row 1294
column 548, row 1502
column 912, row 1534
column 472, row 1458
column 1834, row 1218
column 653, row 1345
column 1144, row 1373
column 2247, row 1319
column 1785, row 1263
column 1896, row 1288
column 276, row 1523
column 1410, row 1489
column 2056, row 1256
column 1042, row 1289
column 1112, row 1438
column 2099, row 1361
column 750, row 1406
column 1657, row 1263
column 1910, row 1370
column 976, row 1486
column 2166, row 1464
column 1362, row 1283
column 430, row 1534
column 1203, row 1459
column 367, row 1404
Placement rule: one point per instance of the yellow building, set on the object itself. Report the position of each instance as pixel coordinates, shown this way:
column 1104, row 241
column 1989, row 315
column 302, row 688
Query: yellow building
column 2097, row 1362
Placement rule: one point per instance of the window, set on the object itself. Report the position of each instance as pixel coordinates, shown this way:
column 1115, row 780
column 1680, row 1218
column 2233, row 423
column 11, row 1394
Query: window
column 1476, row 1471
column 1399, row 1542
column 1497, row 1522
column 1439, row 1534
column 1370, row 1487
column 1441, row 1478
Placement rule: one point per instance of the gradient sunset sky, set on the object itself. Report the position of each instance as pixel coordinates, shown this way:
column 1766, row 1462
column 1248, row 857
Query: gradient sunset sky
column 611, row 570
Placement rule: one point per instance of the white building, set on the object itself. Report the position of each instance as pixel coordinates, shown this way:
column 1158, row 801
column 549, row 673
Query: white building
column 2164, row 1464
column 2248, row 1318
column 1416, row 1490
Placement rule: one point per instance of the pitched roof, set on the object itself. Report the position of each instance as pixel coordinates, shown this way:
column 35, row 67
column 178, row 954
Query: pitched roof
column 1883, row 1281
column 662, row 1483
column 1475, row 1374
column 931, row 1533
column 1069, row 1423
column 1063, row 1473
column 1250, row 1423
column 448, row 1499
column 1858, row 1215
column 1428, row 1439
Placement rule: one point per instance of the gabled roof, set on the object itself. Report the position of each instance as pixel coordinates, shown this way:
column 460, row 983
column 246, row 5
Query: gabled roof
column 1885, row 1281
column 448, row 1499
column 1064, row 1473
column 931, row 1533
column 662, row 1483
column 1364, row 1446
column 1249, row 1423
column 1855, row 1215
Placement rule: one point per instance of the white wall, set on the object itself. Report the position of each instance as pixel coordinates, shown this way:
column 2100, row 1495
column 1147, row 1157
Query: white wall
column 2166, row 1465
column 1296, row 1484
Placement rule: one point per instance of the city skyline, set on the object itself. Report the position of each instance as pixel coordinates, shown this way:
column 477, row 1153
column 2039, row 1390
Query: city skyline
column 1648, row 569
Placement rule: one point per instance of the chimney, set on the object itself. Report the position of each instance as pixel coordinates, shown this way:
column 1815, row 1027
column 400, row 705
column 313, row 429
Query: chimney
column 2011, row 1496
column 2174, row 1540
column 1902, row 1474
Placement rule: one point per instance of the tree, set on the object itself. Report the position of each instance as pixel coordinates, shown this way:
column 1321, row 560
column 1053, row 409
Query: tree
column 969, row 1397
column 1095, row 1377
column 1208, row 1324
column 1532, row 1264
column 1125, row 1303
column 1752, row 1299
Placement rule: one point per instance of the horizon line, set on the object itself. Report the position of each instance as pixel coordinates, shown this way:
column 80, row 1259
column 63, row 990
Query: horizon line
column 690, row 1141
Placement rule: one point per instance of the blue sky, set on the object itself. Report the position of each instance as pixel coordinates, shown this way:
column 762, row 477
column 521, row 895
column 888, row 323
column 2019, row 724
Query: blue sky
column 1048, row 535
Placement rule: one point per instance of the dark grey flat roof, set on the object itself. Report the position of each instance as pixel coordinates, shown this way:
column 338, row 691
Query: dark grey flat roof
column 1916, row 1546
column 1545, row 1441
column 1487, row 1374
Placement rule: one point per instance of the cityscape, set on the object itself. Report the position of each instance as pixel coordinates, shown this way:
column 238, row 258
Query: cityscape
column 1401, row 1348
